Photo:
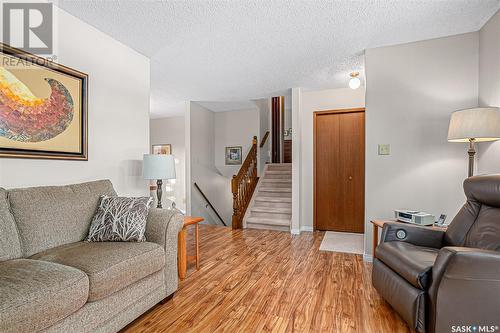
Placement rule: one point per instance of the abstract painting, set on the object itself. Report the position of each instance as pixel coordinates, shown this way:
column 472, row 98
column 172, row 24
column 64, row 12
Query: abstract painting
column 233, row 155
column 43, row 108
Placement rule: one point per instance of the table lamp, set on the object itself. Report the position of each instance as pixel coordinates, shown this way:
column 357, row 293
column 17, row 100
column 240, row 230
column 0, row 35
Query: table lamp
column 474, row 125
column 158, row 167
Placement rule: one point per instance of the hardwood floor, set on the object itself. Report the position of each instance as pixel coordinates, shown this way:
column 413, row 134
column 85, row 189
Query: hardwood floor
column 270, row 281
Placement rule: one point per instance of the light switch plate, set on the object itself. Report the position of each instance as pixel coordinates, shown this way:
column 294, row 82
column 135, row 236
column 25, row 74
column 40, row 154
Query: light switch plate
column 384, row 149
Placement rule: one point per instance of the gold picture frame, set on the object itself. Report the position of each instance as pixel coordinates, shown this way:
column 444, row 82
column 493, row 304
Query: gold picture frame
column 163, row 149
column 44, row 112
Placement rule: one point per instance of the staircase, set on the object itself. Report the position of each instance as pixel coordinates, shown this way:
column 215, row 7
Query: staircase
column 271, row 205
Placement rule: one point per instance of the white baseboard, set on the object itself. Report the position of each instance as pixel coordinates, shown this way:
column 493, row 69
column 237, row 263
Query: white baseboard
column 367, row 257
column 303, row 228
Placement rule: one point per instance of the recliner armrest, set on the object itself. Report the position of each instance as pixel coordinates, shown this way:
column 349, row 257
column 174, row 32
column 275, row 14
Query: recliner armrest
column 461, row 263
column 465, row 288
column 414, row 234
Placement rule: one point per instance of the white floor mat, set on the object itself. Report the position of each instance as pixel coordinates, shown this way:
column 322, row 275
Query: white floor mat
column 342, row 242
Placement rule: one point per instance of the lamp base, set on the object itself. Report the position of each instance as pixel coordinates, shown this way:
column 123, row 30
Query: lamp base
column 472, row 153
column 159, row 184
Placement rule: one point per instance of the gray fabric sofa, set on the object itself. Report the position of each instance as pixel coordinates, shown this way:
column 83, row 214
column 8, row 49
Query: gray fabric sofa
column 51, row 280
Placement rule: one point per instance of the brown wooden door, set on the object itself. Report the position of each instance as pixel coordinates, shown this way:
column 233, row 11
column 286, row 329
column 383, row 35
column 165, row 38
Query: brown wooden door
column 339, row 170
column 287, row 151
column 277, row 121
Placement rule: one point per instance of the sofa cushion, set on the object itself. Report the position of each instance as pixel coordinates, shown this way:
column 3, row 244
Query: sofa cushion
column 110, row 266
column 50, row 216
column 413, row 263
column 10, row 245
column 120, row 219
column 37, row 294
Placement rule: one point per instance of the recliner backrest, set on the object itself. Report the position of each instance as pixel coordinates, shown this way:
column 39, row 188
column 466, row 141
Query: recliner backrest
column 477, row 224
column 50, row 216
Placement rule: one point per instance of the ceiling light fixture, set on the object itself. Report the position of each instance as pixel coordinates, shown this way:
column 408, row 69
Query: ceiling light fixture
column 354, row 82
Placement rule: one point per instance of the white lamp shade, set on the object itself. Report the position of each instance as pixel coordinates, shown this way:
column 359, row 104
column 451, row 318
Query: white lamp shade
column 480, row 124
column 158, row 166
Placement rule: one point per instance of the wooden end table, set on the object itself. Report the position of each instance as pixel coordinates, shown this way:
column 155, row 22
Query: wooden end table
column 379, row 223
column 182, row 257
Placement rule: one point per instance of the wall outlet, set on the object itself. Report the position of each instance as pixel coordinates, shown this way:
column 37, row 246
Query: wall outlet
column 384, row 149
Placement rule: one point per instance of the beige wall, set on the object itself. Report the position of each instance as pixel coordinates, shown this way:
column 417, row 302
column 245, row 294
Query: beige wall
column 296, row 102
column 118, row 114
column 202, row 162
column 170, row 130
column 411, row 91
column 208, row 134
column 234, row 128
column 311, row 101
column 489, row 88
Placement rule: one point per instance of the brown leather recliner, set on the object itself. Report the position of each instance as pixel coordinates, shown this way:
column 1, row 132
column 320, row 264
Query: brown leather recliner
column 436, row 280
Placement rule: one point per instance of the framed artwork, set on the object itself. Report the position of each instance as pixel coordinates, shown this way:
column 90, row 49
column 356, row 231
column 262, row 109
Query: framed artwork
column 233, row 155
column 43, row 108
column 165, row 149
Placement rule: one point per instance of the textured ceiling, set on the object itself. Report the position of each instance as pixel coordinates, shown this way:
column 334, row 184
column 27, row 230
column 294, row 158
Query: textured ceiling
column 239, row 50
column 229, row 106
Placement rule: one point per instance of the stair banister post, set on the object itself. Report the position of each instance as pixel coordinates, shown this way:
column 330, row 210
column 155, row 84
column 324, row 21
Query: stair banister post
column 243, row 185
column 254, row 171
column 234, row 189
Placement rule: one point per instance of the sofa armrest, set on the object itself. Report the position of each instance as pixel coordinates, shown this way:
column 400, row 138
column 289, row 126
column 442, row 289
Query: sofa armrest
column 414, row 234
column 465, row 288
column 162, row 224
column 162, row 227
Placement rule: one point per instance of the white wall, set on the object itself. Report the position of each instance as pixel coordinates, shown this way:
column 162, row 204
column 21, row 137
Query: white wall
column 187, row 142
column 216, row 187
column 310, row 102
column 170, row 130
column 202, row 157
column 411, row 91
column 264, row 107
column 296, row 102
column 489, row 88
column 288, row 121
column 210, row 133
column 234, row 128
column 118, row 114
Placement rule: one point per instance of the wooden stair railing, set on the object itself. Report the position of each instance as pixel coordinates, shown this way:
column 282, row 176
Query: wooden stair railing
column 209, row 204
column 243, row 184
column 264, row 139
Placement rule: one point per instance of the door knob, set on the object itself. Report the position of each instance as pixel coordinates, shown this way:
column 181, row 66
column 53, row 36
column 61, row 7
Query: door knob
column 350, row 177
